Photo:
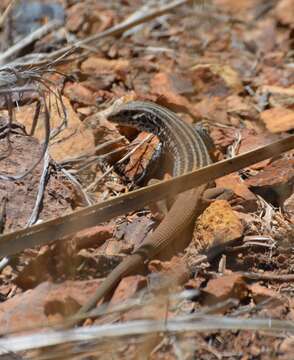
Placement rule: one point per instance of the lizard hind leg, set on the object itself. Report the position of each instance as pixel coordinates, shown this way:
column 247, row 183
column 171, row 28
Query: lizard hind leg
column 216, row 193
column 160, row 208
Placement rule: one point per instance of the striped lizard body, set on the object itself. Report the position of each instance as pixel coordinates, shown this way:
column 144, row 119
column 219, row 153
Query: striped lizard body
column 189, row 152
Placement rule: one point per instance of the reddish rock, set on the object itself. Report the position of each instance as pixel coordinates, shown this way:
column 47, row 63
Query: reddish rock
column 170, row 273
column 260, row 293
column 275, row 182
column 223, row 137
column 215, row 109
column 75, row 18
column 278, row 173
column 35, row 307
column 96, row 66
column 223, row 288
column 238, row 8
column 127, row 288
column 218, row 79
column 21, row 194
column 289, row 206
column 176, row 263
column 80, row 94
column 166, row 85
column 278, row 119
column 72, row 141
column 92, row 237
column 278, row 96
column 136, row 230
column 287, row 346
column 63, row 258
column 238, row 106
column 284, row 12
column 233, row 182
column 90, row 19
column 252, row 140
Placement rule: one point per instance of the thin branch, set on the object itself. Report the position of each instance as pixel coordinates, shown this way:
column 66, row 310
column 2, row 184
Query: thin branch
column 268, row 276
column 42, row 185
column 83, row 157
column 75, row 182
column 94, row 184
column 118, row 29
column 180, row 325
column 65, row 225
column 6, row 12
column 45, row 146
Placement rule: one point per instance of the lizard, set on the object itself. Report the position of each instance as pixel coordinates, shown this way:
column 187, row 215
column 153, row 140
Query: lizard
column 189, row 151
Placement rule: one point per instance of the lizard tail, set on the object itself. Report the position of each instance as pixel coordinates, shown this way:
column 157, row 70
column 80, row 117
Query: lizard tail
column 126, row 267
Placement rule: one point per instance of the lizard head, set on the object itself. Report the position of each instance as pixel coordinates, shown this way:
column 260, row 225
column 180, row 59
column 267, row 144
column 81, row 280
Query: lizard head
column 133, row 114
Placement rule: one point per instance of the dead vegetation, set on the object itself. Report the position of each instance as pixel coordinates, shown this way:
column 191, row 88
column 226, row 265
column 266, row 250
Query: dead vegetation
column 227, row 63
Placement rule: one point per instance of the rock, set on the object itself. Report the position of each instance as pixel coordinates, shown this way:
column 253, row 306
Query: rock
column 278, row 119
column 284, row 12
column 127, row 288
column 72, row 141
column 46, row 302
column 275, row 182
column 170, row 87
column 92, row 237
column 223, row 288
column 96, row 66
column 260, row 293
column 217, row 226
column 78, row 93
column 239, row 187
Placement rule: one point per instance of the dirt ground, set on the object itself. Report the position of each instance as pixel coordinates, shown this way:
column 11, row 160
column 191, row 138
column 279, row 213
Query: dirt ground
column 226, row 64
